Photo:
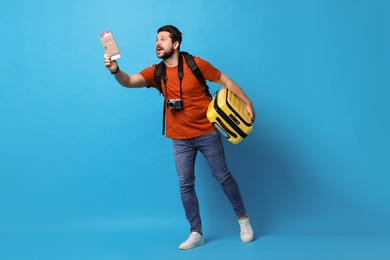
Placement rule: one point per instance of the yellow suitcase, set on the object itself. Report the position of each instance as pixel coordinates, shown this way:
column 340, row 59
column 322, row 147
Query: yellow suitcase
column 229, row 115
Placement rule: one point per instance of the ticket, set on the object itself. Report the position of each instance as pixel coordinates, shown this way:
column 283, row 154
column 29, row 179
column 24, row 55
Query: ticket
column 109, row 45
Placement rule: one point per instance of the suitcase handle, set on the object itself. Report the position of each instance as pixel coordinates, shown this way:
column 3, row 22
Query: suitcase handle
column 225, row 130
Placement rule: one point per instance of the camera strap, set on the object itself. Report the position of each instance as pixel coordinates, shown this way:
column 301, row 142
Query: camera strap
column 180, row 74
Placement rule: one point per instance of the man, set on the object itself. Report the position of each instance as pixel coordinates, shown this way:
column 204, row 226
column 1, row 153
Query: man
column 189, row 128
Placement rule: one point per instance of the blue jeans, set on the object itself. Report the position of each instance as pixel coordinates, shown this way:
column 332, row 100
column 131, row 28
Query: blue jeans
column 185, row 151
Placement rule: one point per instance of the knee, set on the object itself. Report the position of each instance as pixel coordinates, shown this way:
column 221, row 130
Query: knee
column 186, row 185
column 224, row 177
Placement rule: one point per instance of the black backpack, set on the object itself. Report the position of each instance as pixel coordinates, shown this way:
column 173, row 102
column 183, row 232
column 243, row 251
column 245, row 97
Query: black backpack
column 194, row 68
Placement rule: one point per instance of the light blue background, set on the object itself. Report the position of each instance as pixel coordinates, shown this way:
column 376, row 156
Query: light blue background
column 79, row 152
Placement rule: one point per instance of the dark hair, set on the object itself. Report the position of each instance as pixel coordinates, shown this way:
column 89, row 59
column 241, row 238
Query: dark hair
column 175, row 33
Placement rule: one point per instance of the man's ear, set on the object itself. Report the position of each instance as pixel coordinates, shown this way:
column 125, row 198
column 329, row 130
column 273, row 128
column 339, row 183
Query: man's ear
column 176, row 45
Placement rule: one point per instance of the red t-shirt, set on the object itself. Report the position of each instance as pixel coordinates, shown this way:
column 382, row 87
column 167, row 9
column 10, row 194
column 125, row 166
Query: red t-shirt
column 191, row 121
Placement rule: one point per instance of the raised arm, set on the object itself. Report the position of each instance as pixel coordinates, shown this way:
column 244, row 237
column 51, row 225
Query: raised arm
column 228, row 83
column 126, row 80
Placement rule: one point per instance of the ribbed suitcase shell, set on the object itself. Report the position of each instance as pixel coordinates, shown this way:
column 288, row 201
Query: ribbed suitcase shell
column 228, row 113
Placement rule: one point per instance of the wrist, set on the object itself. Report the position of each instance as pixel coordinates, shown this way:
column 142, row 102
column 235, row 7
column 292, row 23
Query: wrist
column 115, row 71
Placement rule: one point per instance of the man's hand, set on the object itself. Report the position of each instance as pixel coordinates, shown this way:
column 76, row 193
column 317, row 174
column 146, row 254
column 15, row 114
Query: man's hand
column 111, row 65
column 251, row 111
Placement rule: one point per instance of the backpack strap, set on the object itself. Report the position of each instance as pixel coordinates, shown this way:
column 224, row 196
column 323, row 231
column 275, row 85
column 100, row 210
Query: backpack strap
column 160, row 72
column 157, row 75
column 196, row 71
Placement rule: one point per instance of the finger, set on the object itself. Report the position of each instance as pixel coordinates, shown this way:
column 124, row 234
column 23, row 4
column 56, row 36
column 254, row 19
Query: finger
column 252, row 118
column 252, row 115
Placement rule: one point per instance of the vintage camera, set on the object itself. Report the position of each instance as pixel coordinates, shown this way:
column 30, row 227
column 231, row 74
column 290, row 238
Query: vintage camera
column 176, row 103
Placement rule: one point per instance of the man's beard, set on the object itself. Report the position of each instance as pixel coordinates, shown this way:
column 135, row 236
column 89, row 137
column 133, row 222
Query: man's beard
column 168, row 54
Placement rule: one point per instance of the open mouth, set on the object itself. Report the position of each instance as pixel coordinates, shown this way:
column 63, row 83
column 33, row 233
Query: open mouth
column 159, row 48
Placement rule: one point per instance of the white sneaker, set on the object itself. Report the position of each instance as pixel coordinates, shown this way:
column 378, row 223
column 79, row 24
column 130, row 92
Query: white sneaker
column 195, row 239
column 246, row 232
